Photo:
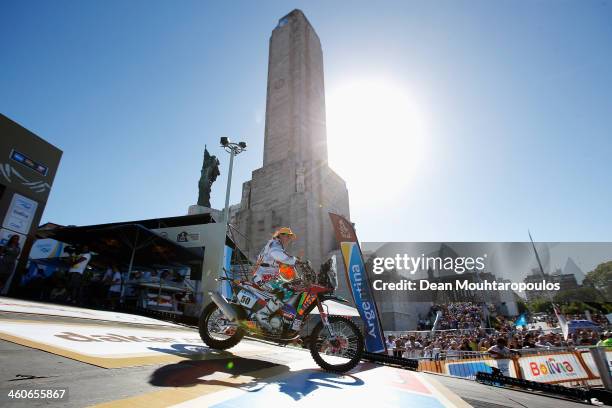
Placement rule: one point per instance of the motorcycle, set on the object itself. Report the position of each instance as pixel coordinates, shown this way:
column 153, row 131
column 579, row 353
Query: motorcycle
column 336, row 343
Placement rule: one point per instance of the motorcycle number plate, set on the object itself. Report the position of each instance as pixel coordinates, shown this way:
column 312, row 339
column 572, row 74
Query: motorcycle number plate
column 246, row 299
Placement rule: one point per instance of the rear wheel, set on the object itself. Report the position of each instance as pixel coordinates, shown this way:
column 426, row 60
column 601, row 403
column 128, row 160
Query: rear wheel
column 339, row 353
column 216, row 330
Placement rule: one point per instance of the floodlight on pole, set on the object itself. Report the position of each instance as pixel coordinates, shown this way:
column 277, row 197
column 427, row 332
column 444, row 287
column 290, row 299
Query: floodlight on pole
column 233, row 149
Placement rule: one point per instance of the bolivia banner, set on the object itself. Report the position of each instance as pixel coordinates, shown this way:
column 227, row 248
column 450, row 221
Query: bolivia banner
column 358, row 281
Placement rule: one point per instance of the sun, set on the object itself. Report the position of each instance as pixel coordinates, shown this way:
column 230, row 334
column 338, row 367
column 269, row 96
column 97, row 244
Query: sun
column 375, row 136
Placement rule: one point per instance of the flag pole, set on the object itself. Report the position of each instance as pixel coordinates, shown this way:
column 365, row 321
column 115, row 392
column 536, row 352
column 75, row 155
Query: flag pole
column 561, row 319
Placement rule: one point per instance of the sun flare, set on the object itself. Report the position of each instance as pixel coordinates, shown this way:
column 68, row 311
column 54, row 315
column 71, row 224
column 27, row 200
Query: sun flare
column 375, row 136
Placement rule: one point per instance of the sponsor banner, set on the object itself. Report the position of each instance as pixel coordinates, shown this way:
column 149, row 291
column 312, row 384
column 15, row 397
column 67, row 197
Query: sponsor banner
column 359, row 284
column 20, row 214
column 587, row 357
column 47, row 248
column 188, row 236
column 589, row 362
column 552, row 368
column 226, row 287
column 469, row 369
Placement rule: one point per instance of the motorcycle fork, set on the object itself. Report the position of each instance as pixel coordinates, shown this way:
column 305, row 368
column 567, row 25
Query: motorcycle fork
column 324, row 319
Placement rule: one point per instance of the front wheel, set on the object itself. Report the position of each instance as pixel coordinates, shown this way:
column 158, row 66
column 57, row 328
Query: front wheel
column 339, row 353
column 216, row 330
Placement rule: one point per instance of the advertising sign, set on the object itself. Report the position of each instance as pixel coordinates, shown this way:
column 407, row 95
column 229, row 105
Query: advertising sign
column 46, row 248
column 359, row 283
column 188, row 236
column 552, row 368
column 590, row 363
column 469, row 369
column 20, row 214
column 226, row 288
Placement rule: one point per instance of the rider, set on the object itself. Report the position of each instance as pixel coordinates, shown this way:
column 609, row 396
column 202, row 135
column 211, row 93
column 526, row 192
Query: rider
column 274, row 267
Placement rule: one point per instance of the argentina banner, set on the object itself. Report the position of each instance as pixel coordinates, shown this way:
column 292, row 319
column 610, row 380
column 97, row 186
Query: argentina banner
column 359, row 284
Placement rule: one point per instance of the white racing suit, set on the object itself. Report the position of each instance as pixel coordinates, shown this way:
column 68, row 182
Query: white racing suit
column 268, row 278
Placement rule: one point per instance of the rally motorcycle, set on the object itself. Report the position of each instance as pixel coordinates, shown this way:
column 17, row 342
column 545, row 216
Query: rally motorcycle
column 336, row 343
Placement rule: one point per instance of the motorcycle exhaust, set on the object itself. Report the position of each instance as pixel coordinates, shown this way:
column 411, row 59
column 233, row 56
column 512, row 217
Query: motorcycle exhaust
column 225, row 307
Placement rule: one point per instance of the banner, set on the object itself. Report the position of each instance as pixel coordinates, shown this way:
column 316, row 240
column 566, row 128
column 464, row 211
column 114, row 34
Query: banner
column 359, row 284
column 20, row 214
column 552, row 368
column 226, row 287
column 469, row 368
column 562, row 322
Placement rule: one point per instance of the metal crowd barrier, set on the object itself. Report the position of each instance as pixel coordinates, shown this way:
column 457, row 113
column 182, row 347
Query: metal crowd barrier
column 562, row 366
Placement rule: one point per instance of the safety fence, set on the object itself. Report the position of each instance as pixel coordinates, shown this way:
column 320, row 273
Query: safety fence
column 425, row 334
column 571, row 368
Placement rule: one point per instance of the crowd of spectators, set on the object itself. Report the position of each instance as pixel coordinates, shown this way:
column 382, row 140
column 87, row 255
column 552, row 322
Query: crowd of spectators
column 462, row 330
column 551, row 320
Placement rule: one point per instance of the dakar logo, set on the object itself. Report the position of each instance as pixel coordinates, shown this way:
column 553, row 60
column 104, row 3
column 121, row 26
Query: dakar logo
column 117, row 338
column 182, row 237
column 550, row 367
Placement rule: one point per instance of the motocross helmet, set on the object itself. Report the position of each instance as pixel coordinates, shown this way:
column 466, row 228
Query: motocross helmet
column 284, row 231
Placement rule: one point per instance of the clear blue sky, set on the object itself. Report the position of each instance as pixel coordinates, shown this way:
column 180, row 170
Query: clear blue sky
column 516, row 95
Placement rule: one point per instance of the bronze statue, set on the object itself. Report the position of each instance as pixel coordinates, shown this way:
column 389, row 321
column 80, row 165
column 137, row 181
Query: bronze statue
column 209, row 173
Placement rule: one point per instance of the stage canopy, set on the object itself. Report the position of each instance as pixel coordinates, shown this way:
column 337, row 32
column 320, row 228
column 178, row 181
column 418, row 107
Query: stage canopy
column 131, row 244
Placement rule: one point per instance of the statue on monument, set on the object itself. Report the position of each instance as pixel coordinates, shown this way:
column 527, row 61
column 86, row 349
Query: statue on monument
column 209, row 173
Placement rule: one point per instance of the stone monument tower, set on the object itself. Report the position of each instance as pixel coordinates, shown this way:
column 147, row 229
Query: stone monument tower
column 295, row 187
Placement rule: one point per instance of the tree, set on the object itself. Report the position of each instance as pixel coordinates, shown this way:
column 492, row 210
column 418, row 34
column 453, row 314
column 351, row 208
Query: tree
column 522, row 306
column 575, row 307
column 583, row 294
column 601, row 279
column 540, row 305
